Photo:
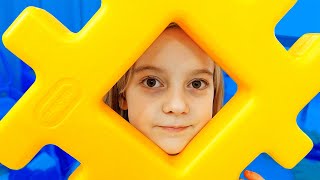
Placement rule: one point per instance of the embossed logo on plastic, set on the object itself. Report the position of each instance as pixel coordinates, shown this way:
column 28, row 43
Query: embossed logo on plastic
column 55, row 106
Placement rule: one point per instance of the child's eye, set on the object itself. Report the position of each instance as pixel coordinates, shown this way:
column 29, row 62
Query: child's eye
column 199, row 84
column 151, row 82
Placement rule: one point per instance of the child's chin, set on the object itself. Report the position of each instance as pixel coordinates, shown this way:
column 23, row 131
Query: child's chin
column 173, row 153
column 173, row 150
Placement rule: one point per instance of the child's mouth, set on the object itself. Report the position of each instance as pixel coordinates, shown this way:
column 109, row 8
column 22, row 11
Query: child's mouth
column 174, row 129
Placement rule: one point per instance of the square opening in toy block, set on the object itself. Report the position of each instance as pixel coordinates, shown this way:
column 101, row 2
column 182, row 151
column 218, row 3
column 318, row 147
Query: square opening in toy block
column 172, row 91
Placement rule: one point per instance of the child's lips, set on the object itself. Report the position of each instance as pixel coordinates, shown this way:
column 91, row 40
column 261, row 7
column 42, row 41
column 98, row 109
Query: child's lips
column 174, row 129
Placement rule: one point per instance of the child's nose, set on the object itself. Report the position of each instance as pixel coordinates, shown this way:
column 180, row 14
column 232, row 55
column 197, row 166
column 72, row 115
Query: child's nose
column 176, row 103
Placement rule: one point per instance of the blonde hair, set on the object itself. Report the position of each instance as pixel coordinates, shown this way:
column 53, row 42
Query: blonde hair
column 116, row 96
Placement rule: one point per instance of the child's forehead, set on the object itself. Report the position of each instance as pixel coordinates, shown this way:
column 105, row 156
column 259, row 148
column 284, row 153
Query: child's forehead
column 173, row 36
column 174, row 66
column 173, row 46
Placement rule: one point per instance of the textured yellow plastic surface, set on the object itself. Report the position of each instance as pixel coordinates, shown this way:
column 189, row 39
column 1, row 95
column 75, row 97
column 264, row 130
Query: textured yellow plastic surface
column 74, row 71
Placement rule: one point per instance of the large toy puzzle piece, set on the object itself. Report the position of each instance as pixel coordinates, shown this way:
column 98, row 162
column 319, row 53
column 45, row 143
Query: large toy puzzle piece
column 74, row 70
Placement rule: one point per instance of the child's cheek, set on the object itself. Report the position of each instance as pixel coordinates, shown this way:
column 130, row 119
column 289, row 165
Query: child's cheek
column 202, row 106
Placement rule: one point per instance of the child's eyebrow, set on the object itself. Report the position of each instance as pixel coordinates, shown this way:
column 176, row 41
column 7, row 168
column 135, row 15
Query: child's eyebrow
column 143, row 68
column 202, row 71
column 159, row 70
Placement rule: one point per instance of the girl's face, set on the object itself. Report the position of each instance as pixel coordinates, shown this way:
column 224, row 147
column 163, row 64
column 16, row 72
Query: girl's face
column 169, row 97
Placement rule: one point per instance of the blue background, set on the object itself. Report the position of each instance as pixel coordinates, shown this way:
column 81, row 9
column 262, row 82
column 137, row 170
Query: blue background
column 53, row 163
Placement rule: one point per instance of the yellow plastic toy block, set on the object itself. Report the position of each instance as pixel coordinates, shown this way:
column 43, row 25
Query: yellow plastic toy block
column 74, row 71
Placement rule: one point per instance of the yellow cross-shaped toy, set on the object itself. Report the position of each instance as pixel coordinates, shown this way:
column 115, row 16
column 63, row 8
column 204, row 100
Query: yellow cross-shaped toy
column 75, row 70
